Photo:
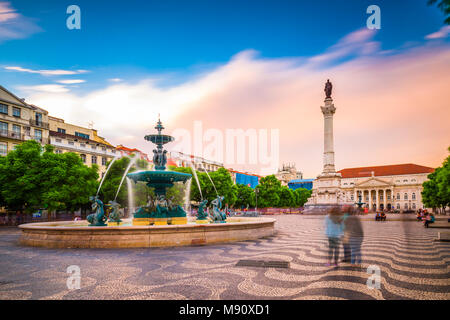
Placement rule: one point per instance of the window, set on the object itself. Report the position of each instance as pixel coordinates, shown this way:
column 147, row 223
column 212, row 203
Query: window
column 104, row 148
column 16, row 112
column 83, row 158
column 104, row 160
column 94, row 147
column 58, row 140
column 58, row 151
column 388, row 197
column 16, row 130
column 414, row 206
column 82, row 135
column 3, row 128
column 71, row 143
column 3, row 149
column 60, row 130
column 38, row 119
column 405, row 196
column 352, row 197
column 82, row 145
column 398, row 206
column 381, row 196
column 405, row 180
column 38, row 135
column 405, row 206
column 94, row 159
column 413, row 180
column 413, row 196
column 398, row 196
column 3, row 108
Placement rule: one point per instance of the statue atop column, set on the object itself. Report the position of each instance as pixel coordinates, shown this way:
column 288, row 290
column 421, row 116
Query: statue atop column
column 328, row 89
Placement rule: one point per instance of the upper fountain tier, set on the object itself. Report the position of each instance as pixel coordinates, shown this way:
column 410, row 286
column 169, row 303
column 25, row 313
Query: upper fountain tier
column 159, row 139
column 160, row 179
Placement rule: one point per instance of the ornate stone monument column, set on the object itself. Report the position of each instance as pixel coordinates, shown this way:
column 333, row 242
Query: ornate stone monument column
column 328, row 150
column 327, row 186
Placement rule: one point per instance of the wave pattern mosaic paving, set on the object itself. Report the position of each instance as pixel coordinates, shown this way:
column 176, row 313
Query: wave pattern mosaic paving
column 413, row 266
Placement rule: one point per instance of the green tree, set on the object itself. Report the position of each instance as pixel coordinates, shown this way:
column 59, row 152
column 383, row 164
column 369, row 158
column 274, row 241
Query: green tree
column 245, row 196
column 66, row 183
column 301, row 196
column 31, row 179
column 268, row 192
column 287, row 197
column 224, row 184
column 436, row 191
column 444, row 5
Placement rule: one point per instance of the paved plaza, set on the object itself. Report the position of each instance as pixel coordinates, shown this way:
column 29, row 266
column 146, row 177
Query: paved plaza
column 413, row 266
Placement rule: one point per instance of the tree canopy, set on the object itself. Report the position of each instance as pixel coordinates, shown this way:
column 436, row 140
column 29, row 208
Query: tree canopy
column 32, row 177
column 436, row 191
column 444, row 6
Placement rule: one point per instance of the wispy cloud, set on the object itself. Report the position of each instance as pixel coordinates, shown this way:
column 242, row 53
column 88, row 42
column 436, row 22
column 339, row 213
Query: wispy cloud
column 115, row 80
column 73, row 81
column 442, row 33
column 46, row 72
column 46, row 88
column 383, row 104
column 13, row 25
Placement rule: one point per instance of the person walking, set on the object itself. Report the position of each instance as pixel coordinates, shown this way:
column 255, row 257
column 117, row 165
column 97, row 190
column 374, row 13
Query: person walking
column 333, row 231
column 355, row 235
column 345, row 238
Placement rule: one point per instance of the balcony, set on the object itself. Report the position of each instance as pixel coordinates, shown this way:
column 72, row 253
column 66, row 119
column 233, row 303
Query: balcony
column 39, row 124
column 12, row 135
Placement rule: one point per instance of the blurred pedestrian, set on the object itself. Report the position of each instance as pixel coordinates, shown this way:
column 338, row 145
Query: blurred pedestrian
column 333, row 231
column 355, row 234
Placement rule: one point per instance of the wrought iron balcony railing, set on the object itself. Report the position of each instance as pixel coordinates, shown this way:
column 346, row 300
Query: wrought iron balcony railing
column 41, row 124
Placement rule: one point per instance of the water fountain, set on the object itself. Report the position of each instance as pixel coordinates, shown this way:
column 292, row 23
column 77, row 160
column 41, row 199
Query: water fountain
column 160, row 179
column 159, row 223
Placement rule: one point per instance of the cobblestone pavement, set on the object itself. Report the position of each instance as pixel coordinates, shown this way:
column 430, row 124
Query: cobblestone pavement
column 412, row 264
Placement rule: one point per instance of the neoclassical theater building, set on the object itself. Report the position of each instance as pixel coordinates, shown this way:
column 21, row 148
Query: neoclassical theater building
column 392, row 186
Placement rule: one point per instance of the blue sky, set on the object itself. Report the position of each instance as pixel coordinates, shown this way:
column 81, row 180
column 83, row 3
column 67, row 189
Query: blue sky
column 134, row 38
column 240, row 64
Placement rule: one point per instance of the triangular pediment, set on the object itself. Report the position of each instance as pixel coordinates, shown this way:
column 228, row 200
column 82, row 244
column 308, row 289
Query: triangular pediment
column 7, row 96
column 373, row 182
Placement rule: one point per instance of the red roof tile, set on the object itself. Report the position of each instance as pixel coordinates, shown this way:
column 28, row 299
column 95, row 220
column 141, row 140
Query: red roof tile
column 390, row 170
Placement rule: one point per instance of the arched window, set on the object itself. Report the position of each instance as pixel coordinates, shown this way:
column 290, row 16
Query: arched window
column 398, row 196
column 414, row 206
column 83, row 158
column 406, row 196
column 413, row 196
column 398, row 206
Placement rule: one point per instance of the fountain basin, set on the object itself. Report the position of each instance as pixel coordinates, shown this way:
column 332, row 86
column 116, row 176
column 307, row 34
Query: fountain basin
column 77, row 234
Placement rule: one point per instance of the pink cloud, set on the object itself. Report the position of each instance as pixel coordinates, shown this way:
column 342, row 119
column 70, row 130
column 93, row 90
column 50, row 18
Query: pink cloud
column 13, row 25
column 390, row 108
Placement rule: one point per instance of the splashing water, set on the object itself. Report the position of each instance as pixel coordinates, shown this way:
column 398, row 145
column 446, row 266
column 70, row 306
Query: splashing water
column 187, row 196
column 106, row 172
column 210, row 179
column 132, row 162
column 130, row 197
column 196, row 178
